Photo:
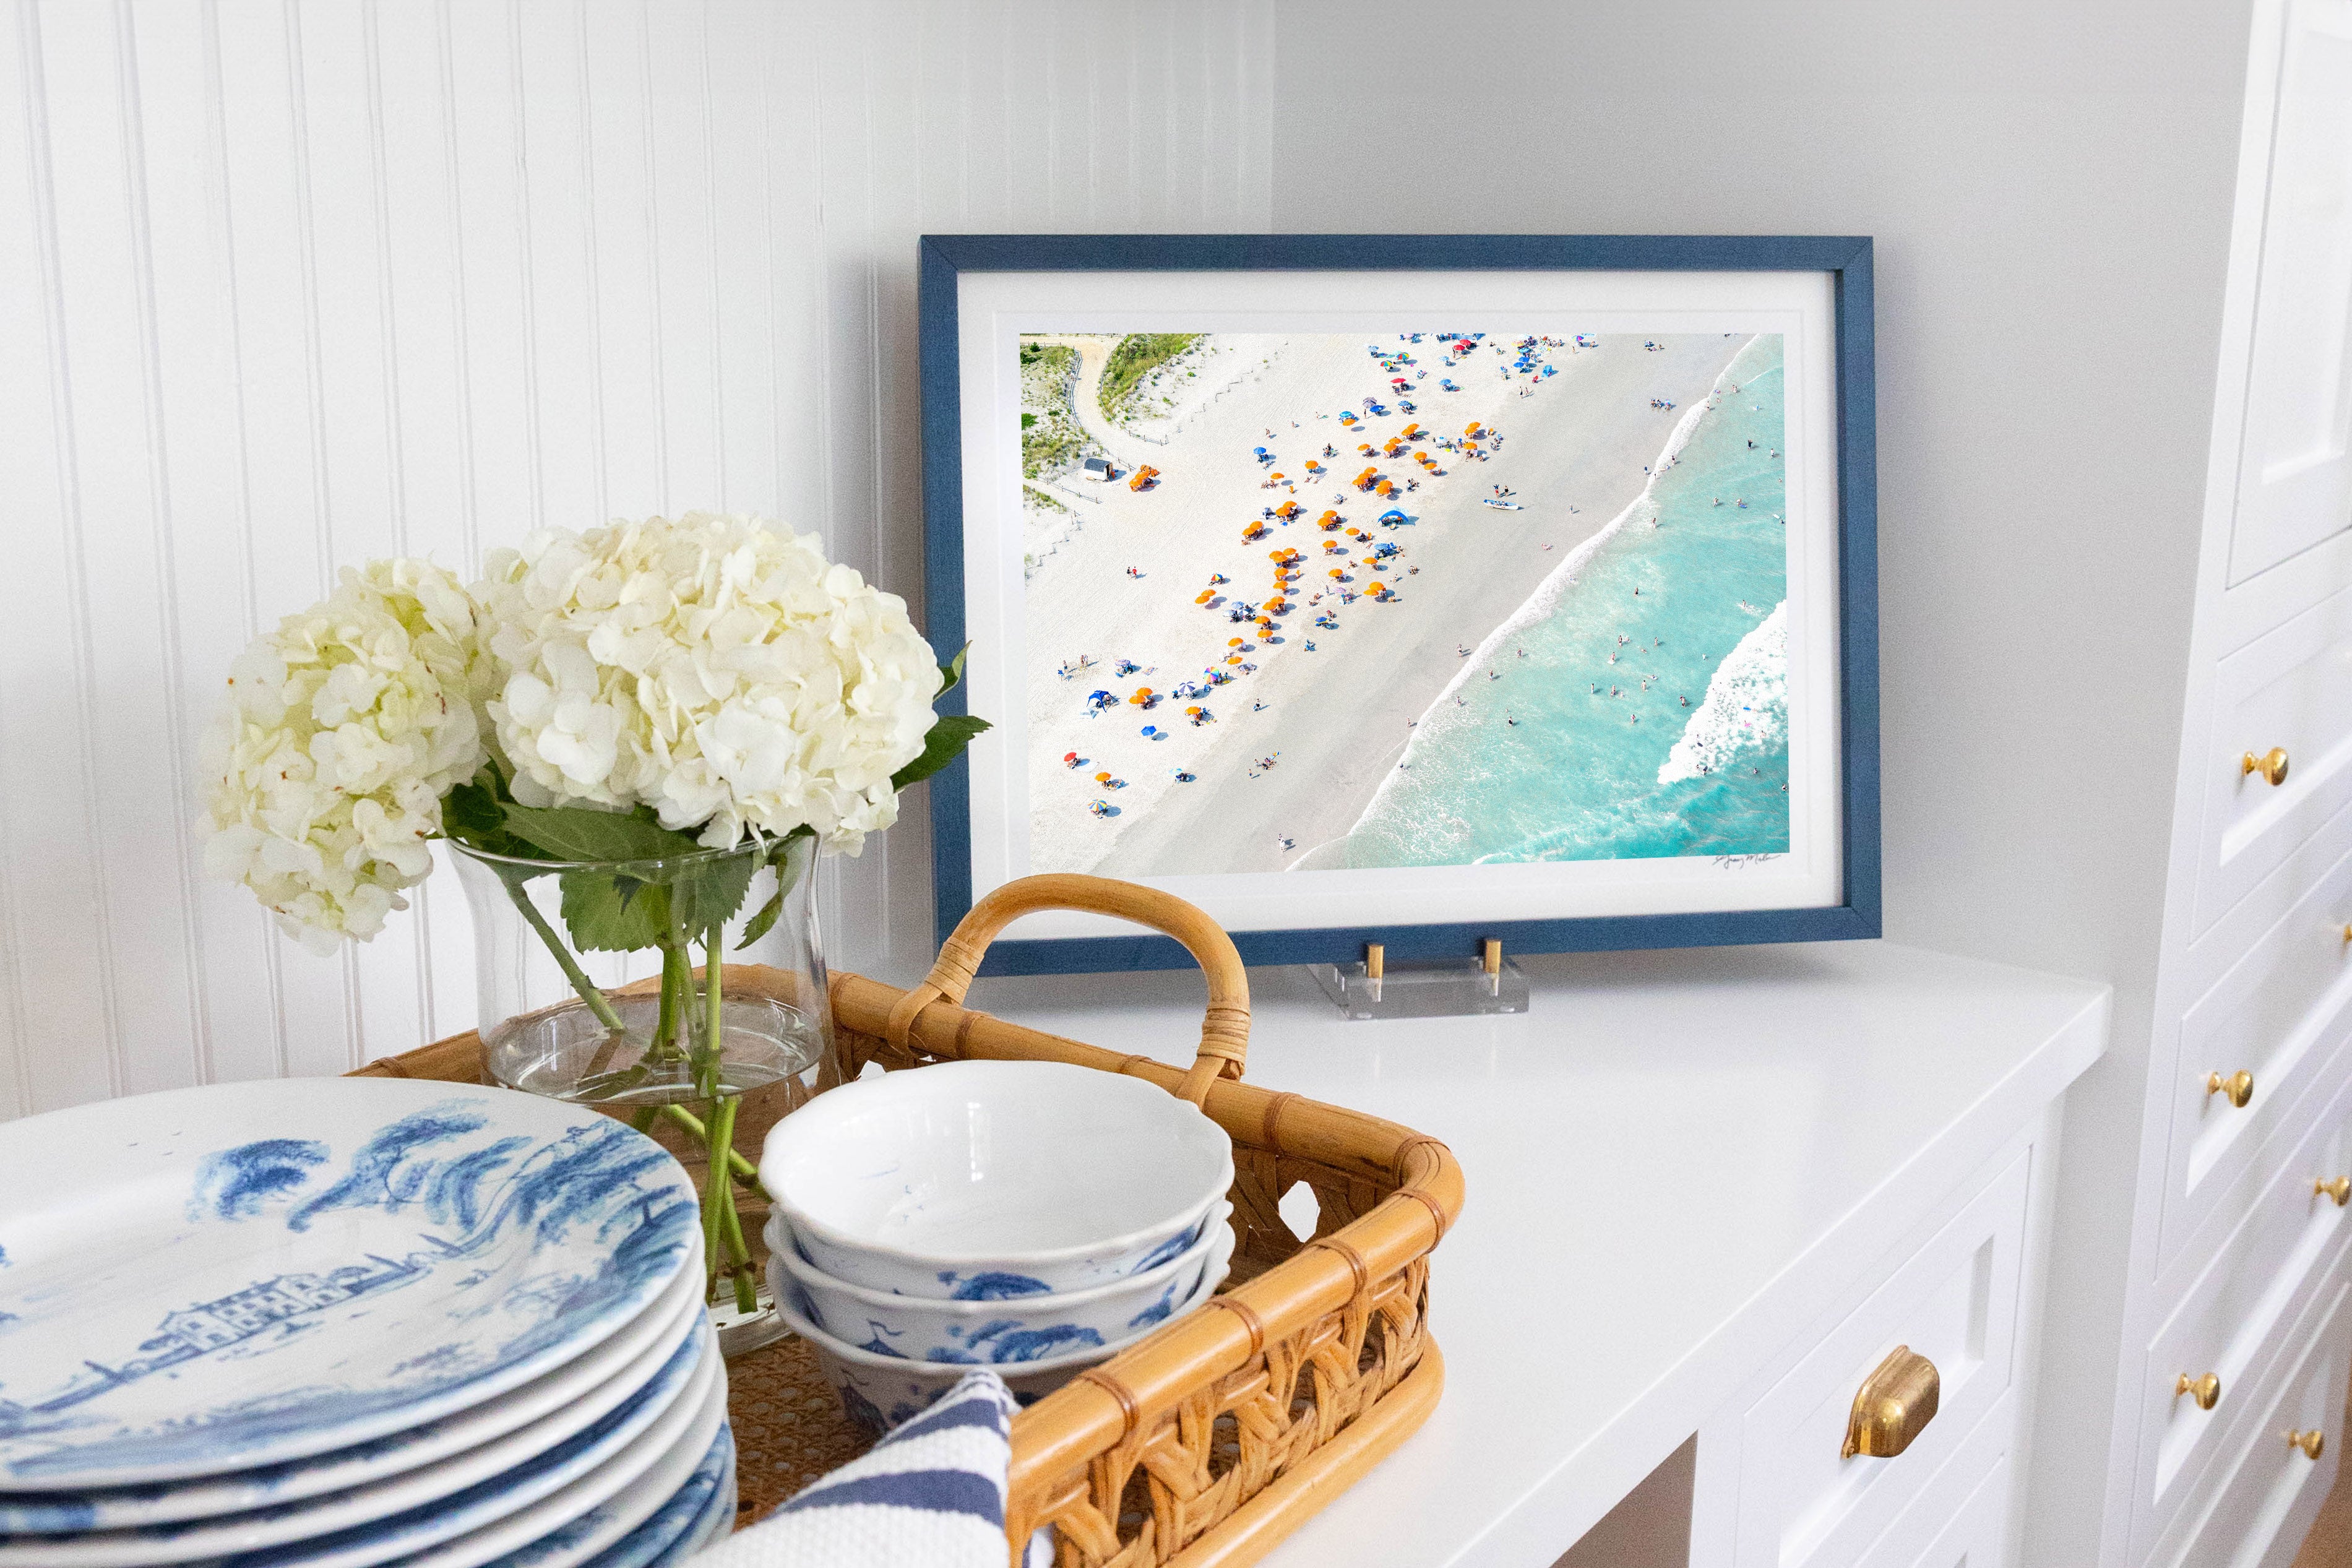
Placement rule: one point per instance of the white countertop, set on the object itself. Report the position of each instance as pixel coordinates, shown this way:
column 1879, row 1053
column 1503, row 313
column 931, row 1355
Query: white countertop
column 1676, row 1162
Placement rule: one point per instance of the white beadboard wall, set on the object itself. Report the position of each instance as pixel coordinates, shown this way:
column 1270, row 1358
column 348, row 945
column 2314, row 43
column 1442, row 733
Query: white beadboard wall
column 288, row 284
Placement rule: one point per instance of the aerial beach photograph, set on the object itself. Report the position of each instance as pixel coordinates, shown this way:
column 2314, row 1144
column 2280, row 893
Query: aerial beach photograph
column 1338, row 601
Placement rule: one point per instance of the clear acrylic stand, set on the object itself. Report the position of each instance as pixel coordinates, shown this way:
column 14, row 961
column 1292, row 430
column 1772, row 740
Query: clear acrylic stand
column 1457, row 988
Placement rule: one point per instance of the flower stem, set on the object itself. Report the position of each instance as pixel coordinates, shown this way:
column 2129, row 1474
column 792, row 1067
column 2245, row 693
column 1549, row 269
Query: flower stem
column 570, row 965
column 673, row 998
column 718, row 1196
column 741, row 1169
column 714, row 1028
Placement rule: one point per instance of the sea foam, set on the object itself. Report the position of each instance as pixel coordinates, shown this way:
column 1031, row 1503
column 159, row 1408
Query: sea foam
column 1559, row 737
column 1747, row 705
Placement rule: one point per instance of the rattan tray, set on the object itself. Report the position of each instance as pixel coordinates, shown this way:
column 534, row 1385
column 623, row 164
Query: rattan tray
column 1210, row 1441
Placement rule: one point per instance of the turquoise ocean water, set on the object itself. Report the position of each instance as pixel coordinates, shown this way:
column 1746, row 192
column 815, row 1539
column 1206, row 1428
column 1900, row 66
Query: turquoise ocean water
column 1578, row 776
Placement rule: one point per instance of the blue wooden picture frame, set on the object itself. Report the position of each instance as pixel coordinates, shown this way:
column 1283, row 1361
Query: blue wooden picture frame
column 1847, row 261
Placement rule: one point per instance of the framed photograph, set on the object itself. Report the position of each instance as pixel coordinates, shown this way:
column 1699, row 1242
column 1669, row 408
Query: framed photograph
column 1415, row 589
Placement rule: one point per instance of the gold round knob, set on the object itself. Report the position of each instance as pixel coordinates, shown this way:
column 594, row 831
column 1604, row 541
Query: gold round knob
column 2239, row 1086
column 2337, row 1187
column 2271, row 764
column 2206, row 1390
column 2313, row 1442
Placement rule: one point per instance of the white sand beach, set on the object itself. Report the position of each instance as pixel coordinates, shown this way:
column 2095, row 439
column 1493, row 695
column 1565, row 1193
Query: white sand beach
column 1334, row 717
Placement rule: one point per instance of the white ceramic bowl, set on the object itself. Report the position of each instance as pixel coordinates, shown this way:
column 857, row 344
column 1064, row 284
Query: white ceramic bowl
column 878, row 1392
column 1012, row 1328
column 971, row 1180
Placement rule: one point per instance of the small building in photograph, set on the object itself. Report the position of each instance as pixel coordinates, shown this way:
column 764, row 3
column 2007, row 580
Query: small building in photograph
column 1099, row 470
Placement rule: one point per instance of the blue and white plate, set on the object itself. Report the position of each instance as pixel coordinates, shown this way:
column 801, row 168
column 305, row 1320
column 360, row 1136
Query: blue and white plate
column 217, row 1278
column 404, row 1512
column 695, row 1515
column 568, row 1530
column 717, row 1521
column 480, row 1441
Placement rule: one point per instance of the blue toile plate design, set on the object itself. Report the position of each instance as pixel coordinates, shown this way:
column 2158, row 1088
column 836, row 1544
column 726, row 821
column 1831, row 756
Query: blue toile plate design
column 404, row 1511
column 696, row 1514
column 217, row 1278
column 569, row 1529
column 477, row 1441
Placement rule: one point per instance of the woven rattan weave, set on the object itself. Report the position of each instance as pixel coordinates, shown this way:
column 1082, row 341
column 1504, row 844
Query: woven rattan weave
column 1208, row 1441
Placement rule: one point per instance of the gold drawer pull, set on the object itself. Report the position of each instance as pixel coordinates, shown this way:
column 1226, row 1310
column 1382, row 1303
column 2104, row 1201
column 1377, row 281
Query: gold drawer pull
column 2206, row 1390
column 2271, row 764
column 1893, row 1407
column 2313, row 1442
column 2337, row 1187
column 2239, row 1086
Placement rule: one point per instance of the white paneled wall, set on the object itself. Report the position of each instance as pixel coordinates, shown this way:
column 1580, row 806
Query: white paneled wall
column 287, row 284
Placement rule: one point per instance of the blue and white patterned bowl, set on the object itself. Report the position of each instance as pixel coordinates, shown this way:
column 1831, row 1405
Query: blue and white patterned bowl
column 1008, row 1324
column 1037, row 1176
column 878, row 1392
column 213, row 1279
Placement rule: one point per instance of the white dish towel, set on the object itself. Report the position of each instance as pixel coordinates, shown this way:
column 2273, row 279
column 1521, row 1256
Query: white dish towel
column 929, row 1495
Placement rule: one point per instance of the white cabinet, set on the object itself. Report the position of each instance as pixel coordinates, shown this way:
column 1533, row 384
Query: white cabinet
column 2272, row 1488
column 2294, row 472
column 1774, row 1486
column 1805, row 1503
column 2233, row 1323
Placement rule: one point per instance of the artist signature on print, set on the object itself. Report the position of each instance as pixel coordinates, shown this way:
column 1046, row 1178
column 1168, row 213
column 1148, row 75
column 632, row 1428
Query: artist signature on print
column 1737, row 862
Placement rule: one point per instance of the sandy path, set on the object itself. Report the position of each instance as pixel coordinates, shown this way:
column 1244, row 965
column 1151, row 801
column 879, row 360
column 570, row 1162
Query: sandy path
column 1086, row 397
column 1339, row 716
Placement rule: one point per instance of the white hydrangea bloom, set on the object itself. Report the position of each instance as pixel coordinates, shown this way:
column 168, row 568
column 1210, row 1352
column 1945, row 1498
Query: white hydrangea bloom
column 715, row 668
column 343, row 728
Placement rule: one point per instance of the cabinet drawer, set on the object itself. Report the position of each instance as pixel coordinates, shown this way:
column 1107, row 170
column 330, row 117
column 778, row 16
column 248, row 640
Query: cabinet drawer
column 1960, row 1519
column 1975, row 1534
column 2278, row 1014
column 1953, row 1301
column 2235, row 1315
column 2290, row 690
column 2265, row 1505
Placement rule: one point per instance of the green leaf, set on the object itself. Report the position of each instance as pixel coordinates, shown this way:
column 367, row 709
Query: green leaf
column 760, row 924
column 952, row 672
column 607, row 914
column 788, row 876
column 582, row 833
column 470, row 814
column 942, row 744
column 708, row 894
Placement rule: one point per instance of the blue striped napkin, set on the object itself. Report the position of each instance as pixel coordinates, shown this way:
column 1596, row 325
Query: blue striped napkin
column 929, row 1495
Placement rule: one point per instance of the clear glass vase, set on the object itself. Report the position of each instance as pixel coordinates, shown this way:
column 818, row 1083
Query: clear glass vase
column 594, row 987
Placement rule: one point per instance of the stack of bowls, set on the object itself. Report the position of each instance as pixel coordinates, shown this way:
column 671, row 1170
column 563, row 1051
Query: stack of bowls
column 328, row 1323
column 1031, row 1217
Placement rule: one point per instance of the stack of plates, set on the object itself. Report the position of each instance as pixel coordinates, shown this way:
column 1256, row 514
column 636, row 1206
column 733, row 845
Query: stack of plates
column 334, row 1322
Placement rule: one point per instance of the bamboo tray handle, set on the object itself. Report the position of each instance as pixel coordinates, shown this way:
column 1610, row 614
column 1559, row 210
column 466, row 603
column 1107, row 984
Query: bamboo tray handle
column 1224, row 1032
